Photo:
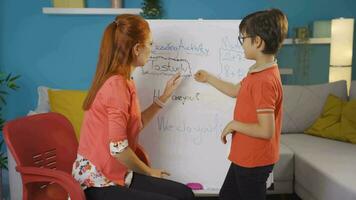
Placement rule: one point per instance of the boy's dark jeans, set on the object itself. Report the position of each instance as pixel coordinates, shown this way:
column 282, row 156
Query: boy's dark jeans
column 243, row 183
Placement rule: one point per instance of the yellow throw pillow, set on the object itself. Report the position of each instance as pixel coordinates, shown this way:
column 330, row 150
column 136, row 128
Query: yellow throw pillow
column 348, row 121
column 68, row 103
column 337, row 121
column 68, row 3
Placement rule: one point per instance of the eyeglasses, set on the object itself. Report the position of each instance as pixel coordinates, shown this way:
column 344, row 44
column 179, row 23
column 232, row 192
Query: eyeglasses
column 242, row 39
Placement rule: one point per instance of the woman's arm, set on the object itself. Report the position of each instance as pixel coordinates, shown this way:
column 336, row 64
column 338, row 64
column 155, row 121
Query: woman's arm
column 148, row 114
column 225, row 87
column 171, row 85
column 130, row 159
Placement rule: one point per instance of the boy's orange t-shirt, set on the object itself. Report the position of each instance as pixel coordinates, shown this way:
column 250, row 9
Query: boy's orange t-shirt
column 260, row 91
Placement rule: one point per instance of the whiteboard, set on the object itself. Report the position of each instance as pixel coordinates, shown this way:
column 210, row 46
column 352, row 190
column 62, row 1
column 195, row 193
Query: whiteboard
column 184, row 138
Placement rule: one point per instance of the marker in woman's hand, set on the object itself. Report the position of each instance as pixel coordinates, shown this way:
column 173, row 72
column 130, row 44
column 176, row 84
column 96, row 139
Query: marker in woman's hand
column 177, row 78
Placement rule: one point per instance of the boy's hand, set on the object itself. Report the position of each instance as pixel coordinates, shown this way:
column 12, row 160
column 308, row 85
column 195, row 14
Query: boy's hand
column 201, row 76
column 227, row 130
column 158, row 173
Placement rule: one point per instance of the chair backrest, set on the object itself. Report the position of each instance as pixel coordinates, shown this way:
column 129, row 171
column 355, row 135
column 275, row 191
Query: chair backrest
column 43, row 140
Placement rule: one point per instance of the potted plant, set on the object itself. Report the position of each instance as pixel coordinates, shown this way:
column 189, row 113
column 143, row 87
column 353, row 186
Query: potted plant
column 151, row 9
column 7, row 82
column 303, row 52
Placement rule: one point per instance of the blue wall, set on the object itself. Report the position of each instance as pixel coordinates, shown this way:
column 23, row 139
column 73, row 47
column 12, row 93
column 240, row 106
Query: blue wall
column 61, row 51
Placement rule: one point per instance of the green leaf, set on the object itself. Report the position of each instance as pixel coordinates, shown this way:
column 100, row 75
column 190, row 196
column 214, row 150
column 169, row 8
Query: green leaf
column 7, row 81
column 8, row 77
column 15, row 78
column 3, row 158
column 3, row 163
column 12, row 85
column 3, row 92
column 3, row 100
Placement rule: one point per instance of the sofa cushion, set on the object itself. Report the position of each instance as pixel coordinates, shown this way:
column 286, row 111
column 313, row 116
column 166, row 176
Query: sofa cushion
column 68, row 103
column 42, row 102
column 283, row 169
column 302, row 105
column 324, row 168
column 353, row 90
column 337, row 121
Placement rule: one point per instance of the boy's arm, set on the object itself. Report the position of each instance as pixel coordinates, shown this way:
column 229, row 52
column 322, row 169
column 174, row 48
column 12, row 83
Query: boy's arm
column 264, row 129
column 264, row 96
column 225, row 87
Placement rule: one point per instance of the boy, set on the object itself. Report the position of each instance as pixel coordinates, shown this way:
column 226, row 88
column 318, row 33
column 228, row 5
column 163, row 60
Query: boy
column 257, row 120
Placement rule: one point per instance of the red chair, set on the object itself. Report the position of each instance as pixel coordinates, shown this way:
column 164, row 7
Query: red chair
column 44, row 147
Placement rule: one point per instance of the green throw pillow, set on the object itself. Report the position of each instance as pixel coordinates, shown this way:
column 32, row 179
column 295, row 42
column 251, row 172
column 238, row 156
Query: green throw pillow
column 337, row 120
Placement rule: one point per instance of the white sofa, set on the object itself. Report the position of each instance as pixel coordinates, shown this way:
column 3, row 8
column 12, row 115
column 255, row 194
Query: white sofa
column 314, row 168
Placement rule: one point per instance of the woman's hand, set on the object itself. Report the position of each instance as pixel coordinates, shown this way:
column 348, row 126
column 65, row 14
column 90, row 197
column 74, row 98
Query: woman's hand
column 158, row 173
column 171, row 85
column 201, row 76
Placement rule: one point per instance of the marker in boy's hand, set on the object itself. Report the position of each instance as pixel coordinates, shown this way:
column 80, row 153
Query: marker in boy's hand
column 201, row 76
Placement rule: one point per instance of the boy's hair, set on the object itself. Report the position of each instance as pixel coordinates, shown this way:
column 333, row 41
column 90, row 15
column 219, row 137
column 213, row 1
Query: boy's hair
column 270, row 25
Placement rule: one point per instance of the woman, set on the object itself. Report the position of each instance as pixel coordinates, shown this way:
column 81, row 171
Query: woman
column 106, row 165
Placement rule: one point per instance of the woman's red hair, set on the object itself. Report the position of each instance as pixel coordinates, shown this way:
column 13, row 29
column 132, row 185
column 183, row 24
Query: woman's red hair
column 116, row 52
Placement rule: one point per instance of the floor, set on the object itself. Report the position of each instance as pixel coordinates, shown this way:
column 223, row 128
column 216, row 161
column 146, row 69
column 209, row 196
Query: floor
column 269, row 197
